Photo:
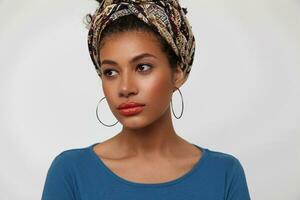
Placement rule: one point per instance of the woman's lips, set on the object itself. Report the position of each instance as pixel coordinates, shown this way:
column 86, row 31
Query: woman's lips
column 129, row 105
column 131, row 111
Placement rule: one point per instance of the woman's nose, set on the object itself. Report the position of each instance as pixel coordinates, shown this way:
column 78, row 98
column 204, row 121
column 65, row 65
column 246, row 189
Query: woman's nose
column 127, row 85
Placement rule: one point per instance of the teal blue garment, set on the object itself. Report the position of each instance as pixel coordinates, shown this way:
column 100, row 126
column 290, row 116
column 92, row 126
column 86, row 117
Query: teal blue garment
column 79, row 174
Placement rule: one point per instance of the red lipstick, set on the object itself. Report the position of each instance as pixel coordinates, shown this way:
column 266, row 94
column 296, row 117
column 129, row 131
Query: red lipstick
column 130, row 108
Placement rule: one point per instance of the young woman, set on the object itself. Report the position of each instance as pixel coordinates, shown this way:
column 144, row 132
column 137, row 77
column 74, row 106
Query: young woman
column 143, row 52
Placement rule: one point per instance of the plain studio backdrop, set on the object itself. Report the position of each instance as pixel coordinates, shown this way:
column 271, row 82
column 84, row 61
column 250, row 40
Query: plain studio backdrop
column 242, row 96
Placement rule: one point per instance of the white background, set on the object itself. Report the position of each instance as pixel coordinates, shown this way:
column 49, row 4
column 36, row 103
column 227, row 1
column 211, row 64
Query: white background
column 242, row 96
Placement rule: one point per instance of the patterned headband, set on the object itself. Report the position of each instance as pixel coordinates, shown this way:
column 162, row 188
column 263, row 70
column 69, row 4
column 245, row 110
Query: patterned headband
column 165, row 16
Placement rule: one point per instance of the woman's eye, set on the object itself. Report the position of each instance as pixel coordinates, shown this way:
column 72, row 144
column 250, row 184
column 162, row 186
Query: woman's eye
column 107, row 72
column 143, row 66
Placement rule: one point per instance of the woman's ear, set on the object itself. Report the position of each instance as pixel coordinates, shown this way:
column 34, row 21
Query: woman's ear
column 178, row 77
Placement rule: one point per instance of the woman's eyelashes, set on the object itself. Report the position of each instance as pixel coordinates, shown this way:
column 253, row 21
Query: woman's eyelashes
column 105, row 72
column 143, row 68
column 149, row 67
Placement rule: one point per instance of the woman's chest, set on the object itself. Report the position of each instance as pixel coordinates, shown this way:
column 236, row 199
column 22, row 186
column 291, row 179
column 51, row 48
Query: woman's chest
column 156, row 171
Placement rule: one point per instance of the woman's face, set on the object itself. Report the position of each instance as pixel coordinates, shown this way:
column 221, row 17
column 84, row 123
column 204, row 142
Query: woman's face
column 134, row 69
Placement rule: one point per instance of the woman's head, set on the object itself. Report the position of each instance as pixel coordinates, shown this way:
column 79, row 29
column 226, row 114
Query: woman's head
column 135, row 69
column 136, row 62
column 165, row 17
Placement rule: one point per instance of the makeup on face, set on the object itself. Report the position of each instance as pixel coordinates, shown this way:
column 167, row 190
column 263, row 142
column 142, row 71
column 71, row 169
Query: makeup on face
column 136, row 77
column 130, row 108
column 142, row 61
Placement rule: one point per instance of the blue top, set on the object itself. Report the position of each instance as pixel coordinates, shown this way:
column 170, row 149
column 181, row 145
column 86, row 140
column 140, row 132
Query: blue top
column 79, row 174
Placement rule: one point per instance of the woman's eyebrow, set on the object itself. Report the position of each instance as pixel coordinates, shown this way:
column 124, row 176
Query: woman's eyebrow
column 134, row 59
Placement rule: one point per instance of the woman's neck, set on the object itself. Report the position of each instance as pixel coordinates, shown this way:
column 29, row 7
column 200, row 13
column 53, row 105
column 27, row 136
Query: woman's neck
column 157, row 138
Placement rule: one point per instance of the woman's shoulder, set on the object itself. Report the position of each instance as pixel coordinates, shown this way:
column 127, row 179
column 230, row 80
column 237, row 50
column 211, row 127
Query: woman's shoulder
column 218, row 164
column 221, row 156
column 62, row 173
column 221, row 159
column 71, row 155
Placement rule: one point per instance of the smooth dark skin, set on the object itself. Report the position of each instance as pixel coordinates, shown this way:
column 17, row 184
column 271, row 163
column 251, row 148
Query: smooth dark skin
column 147, row 149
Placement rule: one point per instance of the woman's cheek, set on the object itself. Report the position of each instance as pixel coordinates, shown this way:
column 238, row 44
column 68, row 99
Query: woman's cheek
column 157, row 89
column 110, row 94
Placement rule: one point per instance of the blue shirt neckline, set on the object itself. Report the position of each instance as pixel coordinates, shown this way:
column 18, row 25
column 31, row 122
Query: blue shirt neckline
column 138, row 184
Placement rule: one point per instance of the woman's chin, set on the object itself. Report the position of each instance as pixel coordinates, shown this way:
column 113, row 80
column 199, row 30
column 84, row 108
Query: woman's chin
column 134, row 123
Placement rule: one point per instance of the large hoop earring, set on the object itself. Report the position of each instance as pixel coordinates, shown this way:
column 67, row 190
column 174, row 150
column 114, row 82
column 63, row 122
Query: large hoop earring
column 98, row 115
column 182, row 105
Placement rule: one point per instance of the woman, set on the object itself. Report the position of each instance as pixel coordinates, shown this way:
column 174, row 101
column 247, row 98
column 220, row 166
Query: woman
column 143, row 52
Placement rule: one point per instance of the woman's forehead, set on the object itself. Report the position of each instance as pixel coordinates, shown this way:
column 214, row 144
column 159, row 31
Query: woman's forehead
column 131, row 42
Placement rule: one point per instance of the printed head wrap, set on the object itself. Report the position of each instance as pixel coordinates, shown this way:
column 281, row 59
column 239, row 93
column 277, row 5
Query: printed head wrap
column 165, row 16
